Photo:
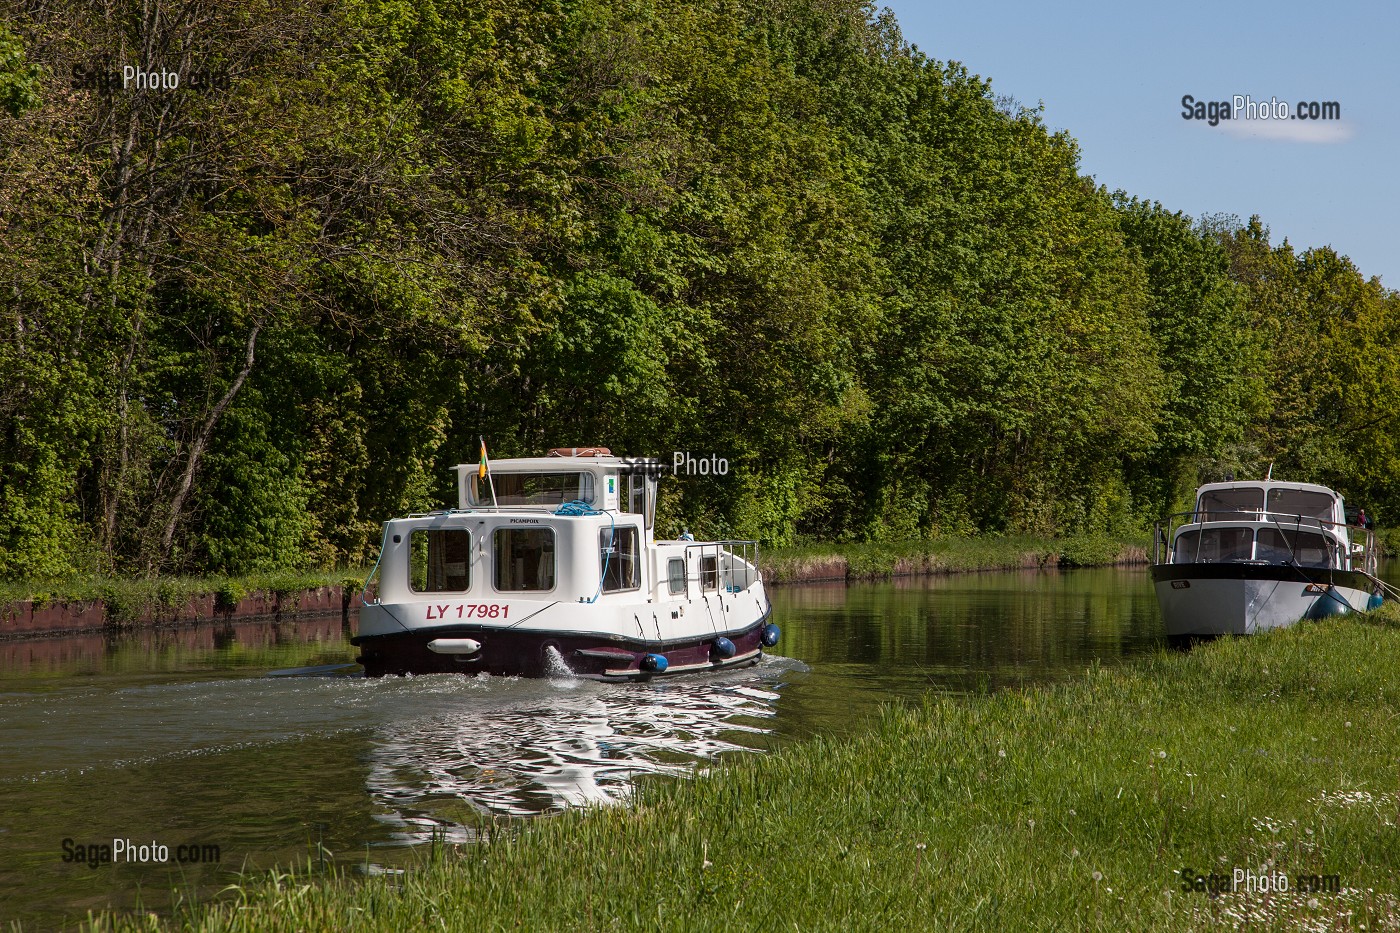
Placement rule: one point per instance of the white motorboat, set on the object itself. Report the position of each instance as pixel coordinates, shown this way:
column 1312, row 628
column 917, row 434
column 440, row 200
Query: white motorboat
column 1254, row 556
column 550, row 564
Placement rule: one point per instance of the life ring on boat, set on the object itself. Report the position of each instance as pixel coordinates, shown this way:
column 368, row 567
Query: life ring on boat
column 580, row 452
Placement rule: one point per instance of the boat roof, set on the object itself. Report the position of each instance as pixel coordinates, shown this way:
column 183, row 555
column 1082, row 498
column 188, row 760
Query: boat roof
column 563, row 464
column 1265, row 484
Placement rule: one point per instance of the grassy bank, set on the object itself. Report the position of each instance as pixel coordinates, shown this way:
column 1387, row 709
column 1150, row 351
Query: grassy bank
column 1073, row 806
column 874, row 561
column 131, row 598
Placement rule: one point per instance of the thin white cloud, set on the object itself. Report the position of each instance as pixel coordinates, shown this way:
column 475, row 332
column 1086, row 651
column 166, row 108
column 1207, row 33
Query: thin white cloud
column 1292, row 131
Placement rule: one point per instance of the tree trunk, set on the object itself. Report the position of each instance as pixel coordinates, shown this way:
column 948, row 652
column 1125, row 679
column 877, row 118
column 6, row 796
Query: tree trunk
column 200, row 444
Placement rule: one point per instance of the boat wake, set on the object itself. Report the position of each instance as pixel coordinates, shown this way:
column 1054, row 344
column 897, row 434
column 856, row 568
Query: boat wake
column 555, row 667
column 529, row 747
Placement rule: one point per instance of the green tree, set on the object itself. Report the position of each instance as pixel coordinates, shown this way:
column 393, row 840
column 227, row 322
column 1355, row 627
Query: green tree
column 19, row 80
column 1210, row 354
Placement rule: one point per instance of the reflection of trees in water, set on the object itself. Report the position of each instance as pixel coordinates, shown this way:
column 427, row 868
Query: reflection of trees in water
column 970, row 626
column 559, row 745
column 884, row 642
column 307, row 641
column 869, row 645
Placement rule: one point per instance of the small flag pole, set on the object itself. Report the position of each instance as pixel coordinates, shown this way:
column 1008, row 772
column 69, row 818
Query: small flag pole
column 485, row 471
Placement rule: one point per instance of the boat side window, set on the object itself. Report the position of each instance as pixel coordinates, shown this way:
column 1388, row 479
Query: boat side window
column 1213, row 546
column 631, row 493
column 618, row 558
column 709, row 573
column 1302, row 502
column 1222, row 505
column 524, row 559
column 675, row 575
column 1308, row 549
column 440, row 560
column 536, row 488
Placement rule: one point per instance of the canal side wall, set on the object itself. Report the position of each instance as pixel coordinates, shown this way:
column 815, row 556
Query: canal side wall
column 55, row 617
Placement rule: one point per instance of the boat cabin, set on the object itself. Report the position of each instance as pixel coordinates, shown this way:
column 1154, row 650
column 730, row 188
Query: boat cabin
column 575, row 527
column 1266, row 522
column 601, row 481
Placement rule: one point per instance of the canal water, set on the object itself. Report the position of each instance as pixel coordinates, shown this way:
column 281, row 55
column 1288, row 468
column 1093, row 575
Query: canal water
column 250, row 746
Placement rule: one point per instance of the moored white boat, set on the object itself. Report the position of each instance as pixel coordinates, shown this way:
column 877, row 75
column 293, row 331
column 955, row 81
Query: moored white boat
column 1254, row 556
column 551, row 564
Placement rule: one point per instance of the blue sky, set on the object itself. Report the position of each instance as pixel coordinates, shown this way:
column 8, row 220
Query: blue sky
column 1113, row 75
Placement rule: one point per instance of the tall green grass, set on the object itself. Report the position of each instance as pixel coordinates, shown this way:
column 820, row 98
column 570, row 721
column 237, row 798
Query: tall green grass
column 1065, row 807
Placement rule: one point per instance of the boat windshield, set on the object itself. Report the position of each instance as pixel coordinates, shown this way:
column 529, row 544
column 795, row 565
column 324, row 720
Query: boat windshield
column 1213, row 546
column 1308, row 549
column 1275, row 545
column 1304, row 502
column 1220, row 505
column 533, row 488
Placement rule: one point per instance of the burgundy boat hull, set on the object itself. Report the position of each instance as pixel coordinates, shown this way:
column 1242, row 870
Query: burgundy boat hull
column 527, row 653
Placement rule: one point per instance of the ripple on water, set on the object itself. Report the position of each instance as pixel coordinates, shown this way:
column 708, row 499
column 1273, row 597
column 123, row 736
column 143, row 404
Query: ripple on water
column 537, row 746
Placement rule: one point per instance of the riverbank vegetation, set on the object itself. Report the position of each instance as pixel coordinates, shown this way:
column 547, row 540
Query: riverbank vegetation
column 851, row 561
column 128, row 599
column 1085, row 805
column 878, row 560
column 137, row 597
column 245, row 320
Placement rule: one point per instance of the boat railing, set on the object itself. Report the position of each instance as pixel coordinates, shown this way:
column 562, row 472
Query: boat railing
column 734, row 568
column 438, row 513
column 1363, row 552
column 487, row 510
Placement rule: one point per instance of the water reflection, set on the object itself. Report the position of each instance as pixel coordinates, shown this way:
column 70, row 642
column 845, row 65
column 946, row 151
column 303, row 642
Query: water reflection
column 872, row 645
column 216, row 647
column 517, row 748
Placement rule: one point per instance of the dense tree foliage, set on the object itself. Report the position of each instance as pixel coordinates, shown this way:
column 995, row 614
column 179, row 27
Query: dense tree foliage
column 247, row 318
